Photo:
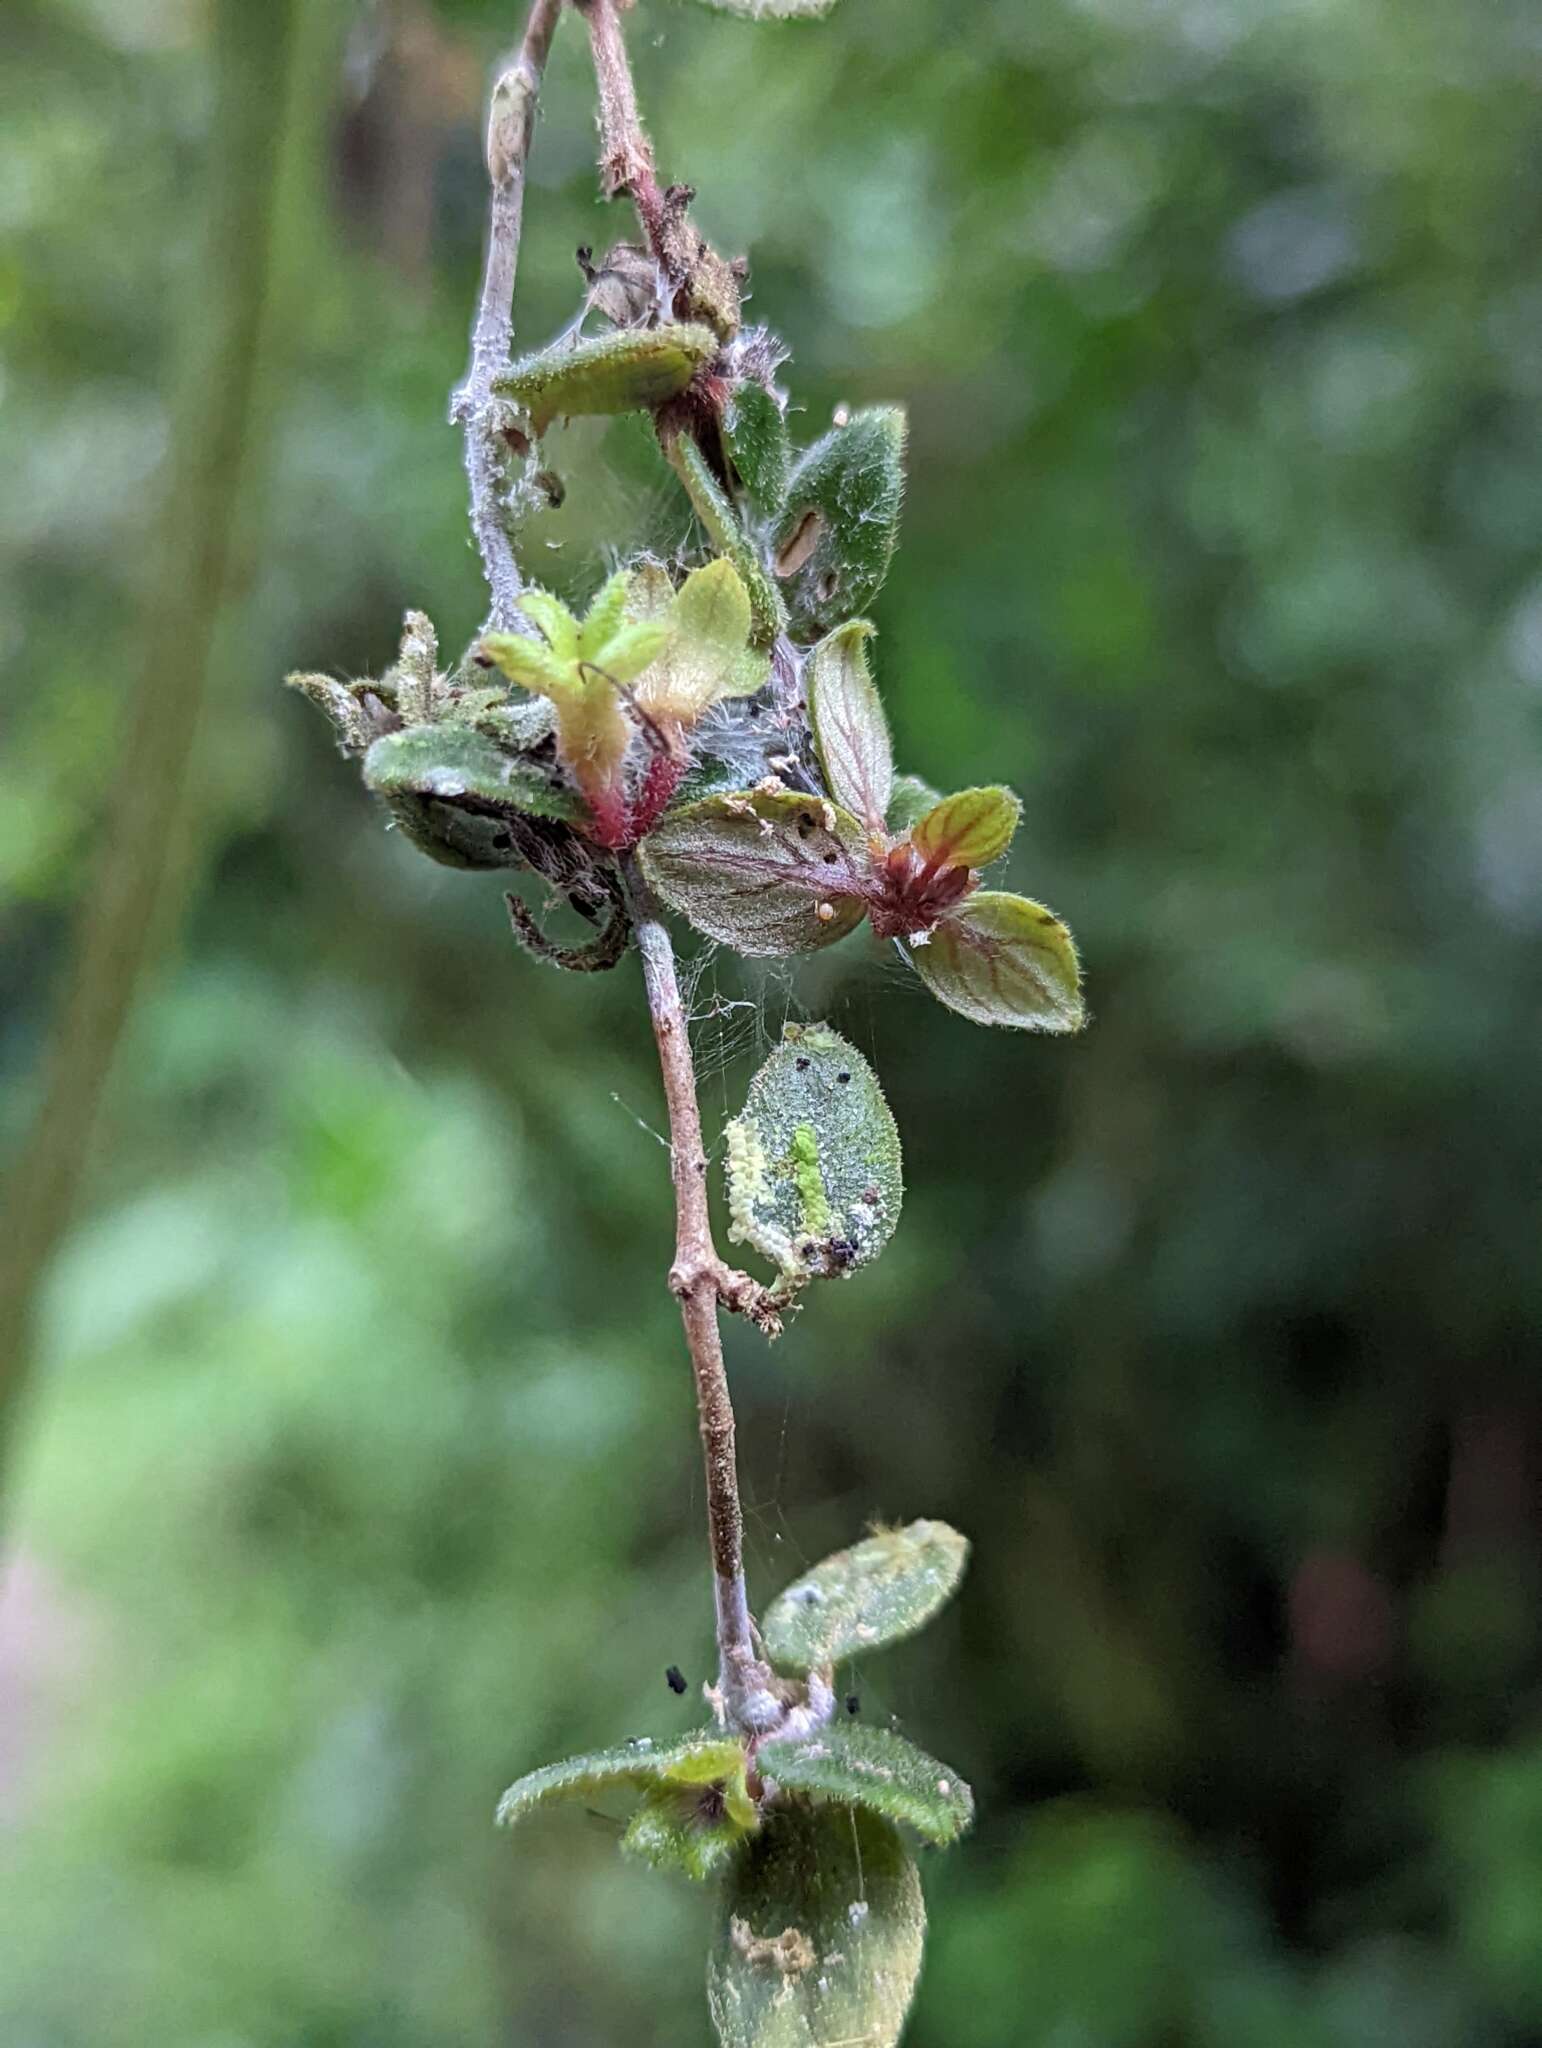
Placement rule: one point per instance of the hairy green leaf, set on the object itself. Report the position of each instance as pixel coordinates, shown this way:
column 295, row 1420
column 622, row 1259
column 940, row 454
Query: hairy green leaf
column 688, row 1828
column 631, row 370
column 875, row 1768
column 721, row 523
column 813, row 1163
column 764, row 872
column 699, row 1759
column 457, row 764
column 850, row 730
column 836, row 536
column 823, row 1926
column 968, row 830
column 878, row 1592
column 755, row 431
column 911, row 799
column 1001, row 959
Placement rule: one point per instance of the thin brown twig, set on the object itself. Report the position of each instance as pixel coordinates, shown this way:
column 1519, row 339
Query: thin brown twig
column 701, row 1282
column 626, row 155
column 511, row 123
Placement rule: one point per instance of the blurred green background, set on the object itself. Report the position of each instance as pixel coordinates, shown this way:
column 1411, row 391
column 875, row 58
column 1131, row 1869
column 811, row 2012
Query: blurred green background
column 358, row 1473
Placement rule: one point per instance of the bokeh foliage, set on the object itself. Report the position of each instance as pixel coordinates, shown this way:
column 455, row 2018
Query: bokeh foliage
column 360, row 1474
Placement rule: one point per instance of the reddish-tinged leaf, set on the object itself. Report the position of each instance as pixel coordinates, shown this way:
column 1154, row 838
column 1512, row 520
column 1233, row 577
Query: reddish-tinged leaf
column 1000, row 959
column 968, row 830
column 850, row 730
column 762, row 872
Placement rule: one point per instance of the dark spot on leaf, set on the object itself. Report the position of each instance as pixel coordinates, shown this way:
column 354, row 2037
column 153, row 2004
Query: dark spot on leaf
column 803, row 1064
column 843, row 1077
column 853, row 1703
column 674, row 1678
column 829, row 859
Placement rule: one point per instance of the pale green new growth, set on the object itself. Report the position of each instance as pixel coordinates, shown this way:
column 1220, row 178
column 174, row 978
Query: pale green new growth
column 821, row 1935
column 813, row 1162
column 763, row 871
column 707, row 657
column 878, row 1592
column 630, row 371
column 875, row 1768
column 836, row 536
column 727, row 536
column 1001, row 959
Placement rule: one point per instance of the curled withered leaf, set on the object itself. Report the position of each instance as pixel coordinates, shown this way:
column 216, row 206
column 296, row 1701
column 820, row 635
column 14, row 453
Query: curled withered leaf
column 631, row 370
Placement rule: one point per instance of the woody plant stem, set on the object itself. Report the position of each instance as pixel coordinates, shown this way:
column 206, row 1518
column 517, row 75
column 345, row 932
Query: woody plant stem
column 748, row 1697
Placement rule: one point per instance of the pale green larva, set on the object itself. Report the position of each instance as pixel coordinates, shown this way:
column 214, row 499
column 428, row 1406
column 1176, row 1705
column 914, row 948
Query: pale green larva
column 813, row 1163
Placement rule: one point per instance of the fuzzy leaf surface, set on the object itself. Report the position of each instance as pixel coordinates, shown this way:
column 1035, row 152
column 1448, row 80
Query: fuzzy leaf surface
column 911, row 799
column 875, row 1768
column 878, row 1592
column 692, row 1831
column 455, row 763
column 834, row 542
column 632, row 370
column 968, row 830
column 698, row 1759
column 727, row 536
column 850, row 730
column 755, row 429
column 813, row 1162
column 822, row 1932
column 1002, row 959
column 752, row 870
column 707, row 656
